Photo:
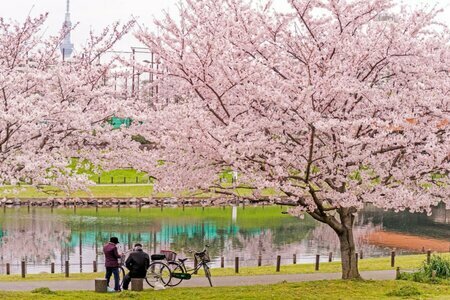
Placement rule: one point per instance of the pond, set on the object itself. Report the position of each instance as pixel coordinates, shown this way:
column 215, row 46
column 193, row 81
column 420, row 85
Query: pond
column 44, row 235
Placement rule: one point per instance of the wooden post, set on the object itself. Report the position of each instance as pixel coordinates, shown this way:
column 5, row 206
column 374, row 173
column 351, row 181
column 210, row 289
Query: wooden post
column 317, row 262
column 66, row 268
column 294, row 259
column 137, row 284
column 397, row 273
column 330, row 257
column 94, row 266
column 195, row 264
column 236, row 264
column 259, row 260
column 137, row 179
column 356, row 258
column 393, row 259
column 423, row 249
column 222, row 262
column 23, row 268
column 52, row 268
column 428, row 256
column 98, row 179
column 124, row 179
column 360, row 254
column 8, row 269
column 100, row 285
column 278, row 263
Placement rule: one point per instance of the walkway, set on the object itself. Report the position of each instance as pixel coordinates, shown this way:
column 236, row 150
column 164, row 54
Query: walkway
column 198, row 281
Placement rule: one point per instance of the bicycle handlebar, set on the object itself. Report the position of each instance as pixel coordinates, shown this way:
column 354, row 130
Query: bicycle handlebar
column 204, row 250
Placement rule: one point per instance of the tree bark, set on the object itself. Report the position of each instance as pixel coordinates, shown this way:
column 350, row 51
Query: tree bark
column 347, row 243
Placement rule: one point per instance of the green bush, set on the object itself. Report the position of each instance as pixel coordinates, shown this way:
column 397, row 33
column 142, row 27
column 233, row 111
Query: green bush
column 43, row 291
column 439, row 264
column 404, row 291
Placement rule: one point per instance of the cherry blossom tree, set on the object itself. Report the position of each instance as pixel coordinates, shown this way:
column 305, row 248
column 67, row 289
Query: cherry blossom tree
column 53, row 110
column 333, row 103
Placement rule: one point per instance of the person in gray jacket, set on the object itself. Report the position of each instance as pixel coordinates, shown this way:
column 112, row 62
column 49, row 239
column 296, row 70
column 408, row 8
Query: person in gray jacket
column 137, row 262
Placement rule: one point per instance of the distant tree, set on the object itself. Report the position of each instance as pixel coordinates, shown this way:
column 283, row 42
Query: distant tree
column 52, row 110
column 332, row 102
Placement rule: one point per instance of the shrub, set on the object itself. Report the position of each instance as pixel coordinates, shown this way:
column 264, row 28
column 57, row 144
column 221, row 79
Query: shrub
column 44, row 291
column 404, row 291
column 439, row 264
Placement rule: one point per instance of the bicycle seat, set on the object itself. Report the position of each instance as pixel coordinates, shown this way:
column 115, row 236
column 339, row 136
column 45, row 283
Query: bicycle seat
column 182, row 260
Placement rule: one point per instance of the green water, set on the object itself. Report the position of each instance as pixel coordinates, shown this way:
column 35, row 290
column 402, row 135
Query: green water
column 43, row 235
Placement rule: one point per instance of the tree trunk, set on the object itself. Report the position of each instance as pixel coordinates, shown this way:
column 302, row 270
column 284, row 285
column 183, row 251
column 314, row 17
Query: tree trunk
column 347, row 243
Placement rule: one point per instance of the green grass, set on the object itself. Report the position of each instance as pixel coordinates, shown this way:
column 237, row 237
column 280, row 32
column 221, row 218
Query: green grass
column 407, row 262
column 98, row 191
column 115, row 189
column 119, row 175
column 111, row 191
column 333, row 289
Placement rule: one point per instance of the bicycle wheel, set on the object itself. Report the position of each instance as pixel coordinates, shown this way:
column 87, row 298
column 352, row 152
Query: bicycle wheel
column 207, row 273
column 175, row 267
column 121, row 275
column 158, row 272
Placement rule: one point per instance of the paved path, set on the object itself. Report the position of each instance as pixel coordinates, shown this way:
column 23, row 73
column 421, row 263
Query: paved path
column 198, row 281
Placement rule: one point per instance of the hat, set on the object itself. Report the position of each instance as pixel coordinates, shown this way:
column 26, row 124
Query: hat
column 138, row 245
column 114, row 240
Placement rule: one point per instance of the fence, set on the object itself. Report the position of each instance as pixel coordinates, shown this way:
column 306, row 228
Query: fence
column 66, row 267
column 111, row 180
column 123, row 180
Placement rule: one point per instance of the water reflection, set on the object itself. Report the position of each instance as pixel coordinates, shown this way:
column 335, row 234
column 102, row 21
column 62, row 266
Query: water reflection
column 41, row 236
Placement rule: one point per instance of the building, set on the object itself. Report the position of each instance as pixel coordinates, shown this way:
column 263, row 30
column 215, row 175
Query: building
column 66, row 45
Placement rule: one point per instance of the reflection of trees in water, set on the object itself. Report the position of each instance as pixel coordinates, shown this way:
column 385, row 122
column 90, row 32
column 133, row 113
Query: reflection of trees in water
column 36, row 237
column 323, row 237
column 436, row 225
column 230, row 240
column 40, row 235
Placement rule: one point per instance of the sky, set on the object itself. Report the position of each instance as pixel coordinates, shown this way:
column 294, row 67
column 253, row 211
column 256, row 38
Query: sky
column 97, row 14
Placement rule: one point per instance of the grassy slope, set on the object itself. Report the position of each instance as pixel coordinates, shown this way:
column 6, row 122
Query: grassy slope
column 110, row 191
column 407, row 262
column 304, row 290
column 118, row 190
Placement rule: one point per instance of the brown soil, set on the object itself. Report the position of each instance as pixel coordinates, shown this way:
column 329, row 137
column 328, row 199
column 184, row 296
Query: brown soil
column 404, row 241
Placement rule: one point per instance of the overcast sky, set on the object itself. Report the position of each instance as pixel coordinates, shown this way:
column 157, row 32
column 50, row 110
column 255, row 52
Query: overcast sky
column 96, row 14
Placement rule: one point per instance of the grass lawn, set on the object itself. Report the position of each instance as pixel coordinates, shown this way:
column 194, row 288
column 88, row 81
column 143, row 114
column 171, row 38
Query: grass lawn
column 110, row 191
column 407, row 262
column 97, row 191
column 333, row 289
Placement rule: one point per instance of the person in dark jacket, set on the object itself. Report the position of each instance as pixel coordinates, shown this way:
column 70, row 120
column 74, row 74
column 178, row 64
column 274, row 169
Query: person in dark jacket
column 111, row 262
column 137, row 262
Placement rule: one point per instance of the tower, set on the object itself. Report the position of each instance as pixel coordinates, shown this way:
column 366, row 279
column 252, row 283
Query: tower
column 66, row 45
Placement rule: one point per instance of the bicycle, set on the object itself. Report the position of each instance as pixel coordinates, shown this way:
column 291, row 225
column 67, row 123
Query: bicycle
column 179, row 270
column 158, row 271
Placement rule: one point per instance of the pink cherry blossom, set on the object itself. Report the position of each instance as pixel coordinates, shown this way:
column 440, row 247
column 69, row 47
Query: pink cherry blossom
column 333, row 103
